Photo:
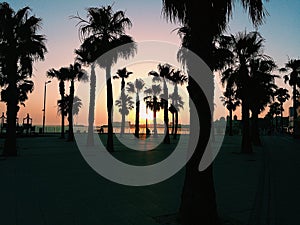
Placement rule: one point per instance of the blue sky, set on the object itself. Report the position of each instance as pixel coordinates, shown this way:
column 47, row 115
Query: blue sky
column 281, row 31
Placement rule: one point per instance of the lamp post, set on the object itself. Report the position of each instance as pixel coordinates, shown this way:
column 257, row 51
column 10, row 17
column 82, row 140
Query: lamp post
column 44, row 109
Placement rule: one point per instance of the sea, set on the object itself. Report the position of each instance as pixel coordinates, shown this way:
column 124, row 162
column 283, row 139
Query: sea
column 84, row 129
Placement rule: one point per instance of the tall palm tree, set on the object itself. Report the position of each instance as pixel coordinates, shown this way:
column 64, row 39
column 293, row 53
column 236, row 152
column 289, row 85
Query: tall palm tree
column 61, row 75
column 231, row 102
column 20, row 46
column 105, row 31
column 282, row 96
column 125, row 104
column 245, row 48
column 86, row 54
column 74, row 73
column 176, row 104
column 136, row 88
column 153, row 103
column 214, row 21
column 123, row 74
column 172, row 110
column 293, row 78
column 164, row 73
column 177, row 77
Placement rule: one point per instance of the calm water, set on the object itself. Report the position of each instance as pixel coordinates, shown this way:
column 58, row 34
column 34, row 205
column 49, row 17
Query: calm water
column 82, row 129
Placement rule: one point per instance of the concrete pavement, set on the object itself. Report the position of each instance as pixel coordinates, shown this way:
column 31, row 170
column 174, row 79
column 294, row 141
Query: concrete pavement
column 50, row 183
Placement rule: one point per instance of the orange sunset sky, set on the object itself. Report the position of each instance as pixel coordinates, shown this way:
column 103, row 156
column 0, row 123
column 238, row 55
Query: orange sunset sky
column 281, row 32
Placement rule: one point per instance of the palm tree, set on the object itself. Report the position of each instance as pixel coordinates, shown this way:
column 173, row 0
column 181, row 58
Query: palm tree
column 164, row 73
column 176, row 104
column 73, row 72
column 275, row 109
column 136, row 88
column 172, row 110
column 153, row 103
column 263, row 82
column 125, row 104
column 177, row 77
column 20, row 46
column 105, row 31
column 282, row 96
column 123, row 74
column 65, row 104
column 61, row 76
column 213, row 22
column 87, row 55
column 231, row 102
column 245, row 48
column 293, row 78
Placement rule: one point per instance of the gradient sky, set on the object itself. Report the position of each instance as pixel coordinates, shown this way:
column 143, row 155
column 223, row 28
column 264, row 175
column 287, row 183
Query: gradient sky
column 281, row 31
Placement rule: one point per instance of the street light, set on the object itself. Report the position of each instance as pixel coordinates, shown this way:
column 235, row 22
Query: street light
column 44, row 109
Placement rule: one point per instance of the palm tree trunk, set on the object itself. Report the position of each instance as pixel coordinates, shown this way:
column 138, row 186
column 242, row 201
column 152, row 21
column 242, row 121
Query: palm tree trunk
column 176, row 124
column 62, row 97
column 10, row 147
column 198, row 200
column 281, row 116
column 123, row 106
column 110, row 146
column 154, row 122
column 62, row 132
column 173, row 125
column 255, row 129
column 295, row 110
column 137, row 116
column 230, row 123
column 123, row 113
column 166, row 114
column 276, row 122
column 70, row 113
column 246, row 139
column 90, row 137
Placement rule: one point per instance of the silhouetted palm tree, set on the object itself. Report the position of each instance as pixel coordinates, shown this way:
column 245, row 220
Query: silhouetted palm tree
column 123, row 74
column 153, row 103
column 177, row 77
column 125, row 104
column 61, row 76
column 87, row 55
column 136, row 88
column 231, row 102
column 176, row 104
column 105, row 31
column 275, row 109
column 164, row 73
column 20, row 46
column 65, row 104
column 213, row 22
column 73, row 72
column 293, row 78
column 245, row 48
column 172, row 110
column 282, row 96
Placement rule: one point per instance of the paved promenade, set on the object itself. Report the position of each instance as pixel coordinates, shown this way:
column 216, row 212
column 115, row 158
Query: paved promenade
column 50, row 184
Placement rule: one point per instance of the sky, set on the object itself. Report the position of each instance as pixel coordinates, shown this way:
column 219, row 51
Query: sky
column 281, row 32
